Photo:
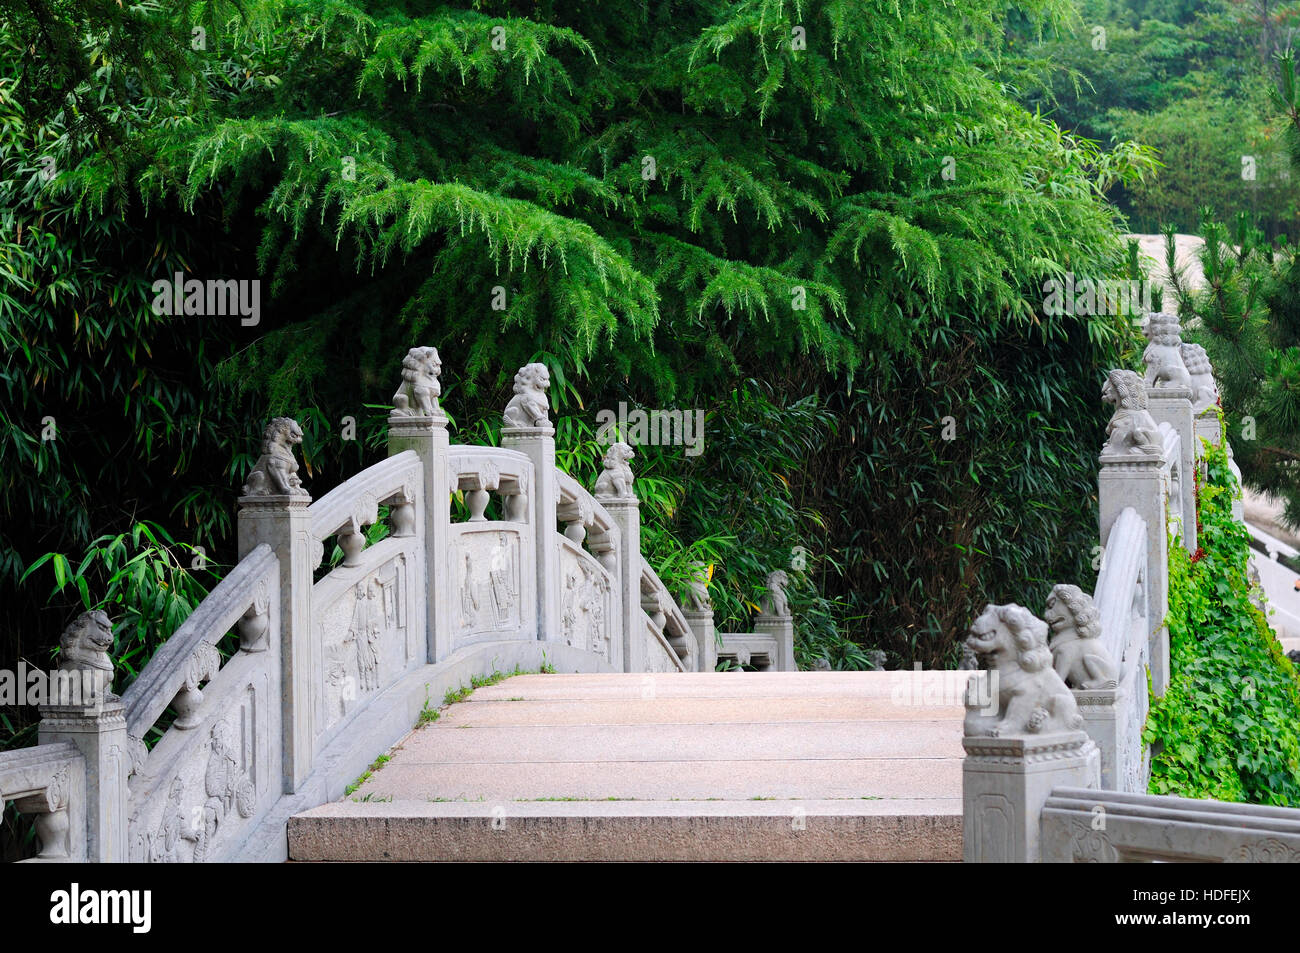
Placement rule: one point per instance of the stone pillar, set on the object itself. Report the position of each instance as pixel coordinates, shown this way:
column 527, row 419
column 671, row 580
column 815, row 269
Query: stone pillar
column 1173, row 406
column 273, row 509
column 85, row 712
column 1142, row 483
column 706, row 637
column 698, row 610
column 538, row 444
column 427, row 436
column 1208, row 428
column 782, row 628
column 1005, row 782
column 1169, row 399
column 626, row 512
column 1100, row 708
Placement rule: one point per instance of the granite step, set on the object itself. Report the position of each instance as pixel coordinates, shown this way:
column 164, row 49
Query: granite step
column 715, row 766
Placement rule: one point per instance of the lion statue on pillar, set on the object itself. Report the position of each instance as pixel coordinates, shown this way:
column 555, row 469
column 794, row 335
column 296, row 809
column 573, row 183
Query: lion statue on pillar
column 1132, row 429
column 276, row 470
column 419, row 392
column 1031, row 697
column 1078, row 654
column 615, row 481
column 84, row 647
column 1163, row 356
column 530, row 407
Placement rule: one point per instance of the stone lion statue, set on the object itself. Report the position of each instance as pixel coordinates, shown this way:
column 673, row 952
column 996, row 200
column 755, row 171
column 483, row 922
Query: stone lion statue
column 1132, row 429
column 530, row 407
column 1078, row 654
column 419, row 391
column 276, row 471
column 84, row 647
column 1204, row 392
column 774, row 601
column 615, row 481
column 86, row 641
column 1163, row 356
column 697, row 598
column 1032, row 699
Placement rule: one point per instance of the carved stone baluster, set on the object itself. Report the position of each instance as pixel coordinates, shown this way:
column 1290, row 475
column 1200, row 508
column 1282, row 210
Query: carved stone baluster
column 402, row 516
column 253, row 624
column 352, row 540
column 203, row 665
column 487, row 480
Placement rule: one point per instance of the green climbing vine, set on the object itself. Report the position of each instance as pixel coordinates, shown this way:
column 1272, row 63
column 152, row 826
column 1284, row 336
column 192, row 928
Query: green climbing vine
column 1229, row 725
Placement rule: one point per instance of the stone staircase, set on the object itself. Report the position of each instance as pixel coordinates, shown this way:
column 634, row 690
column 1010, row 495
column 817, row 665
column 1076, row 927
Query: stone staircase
column 687, row 766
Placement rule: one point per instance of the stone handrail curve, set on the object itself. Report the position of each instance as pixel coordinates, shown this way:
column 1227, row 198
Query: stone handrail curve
column 1118, row 580
column 255, row 579
column 356, row 501
column 676, row 630
column 570, row 491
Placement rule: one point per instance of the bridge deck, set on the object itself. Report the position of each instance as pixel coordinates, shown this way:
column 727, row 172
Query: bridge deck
column 815, row 765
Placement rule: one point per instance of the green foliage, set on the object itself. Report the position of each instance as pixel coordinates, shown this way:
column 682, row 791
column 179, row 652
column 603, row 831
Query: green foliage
column 390, row 171
column 1189, row 79
column 1228, row 727
column 149, row 584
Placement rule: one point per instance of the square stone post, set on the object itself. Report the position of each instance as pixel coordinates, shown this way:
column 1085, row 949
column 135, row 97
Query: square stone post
column 1100, row 710
column 428, row 437
column 1173, row 406
column 781, row 627
column 538, row 444
column 1005, row 782
column 626, row 513
column 98, row 729
column 1207, row 428
column 1143, row 484
column 706, row 638
column 283, row 522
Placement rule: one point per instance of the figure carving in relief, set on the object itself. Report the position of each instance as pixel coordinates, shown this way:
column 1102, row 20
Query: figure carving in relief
column 501, row 578
column 226, row 787
column 175, row 826
column 336, row 675
column 469, row 597
column 365, row 632
column 569, row 613
column 597, row 620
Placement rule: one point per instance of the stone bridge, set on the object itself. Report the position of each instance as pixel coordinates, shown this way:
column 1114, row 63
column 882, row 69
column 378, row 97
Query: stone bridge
column 494, row 561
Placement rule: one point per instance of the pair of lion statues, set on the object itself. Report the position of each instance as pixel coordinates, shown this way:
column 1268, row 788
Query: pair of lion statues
column 1033, row 678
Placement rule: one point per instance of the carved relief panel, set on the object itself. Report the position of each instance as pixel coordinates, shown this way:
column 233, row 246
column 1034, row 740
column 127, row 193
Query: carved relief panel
column 587, row 607
column 492, row 581
column 366, row 637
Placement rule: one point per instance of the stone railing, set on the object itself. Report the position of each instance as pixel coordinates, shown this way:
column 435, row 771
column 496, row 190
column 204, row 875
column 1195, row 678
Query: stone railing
column 333, row 663
column 770, row 647
column 1063, row 741
column 1080, row 825
column 48, row 781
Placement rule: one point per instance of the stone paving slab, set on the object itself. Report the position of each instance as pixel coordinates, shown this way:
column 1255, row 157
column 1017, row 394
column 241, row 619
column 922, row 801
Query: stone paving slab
column 563, row 712
column 664, row 780
column 678, row 766
column 748, row 741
